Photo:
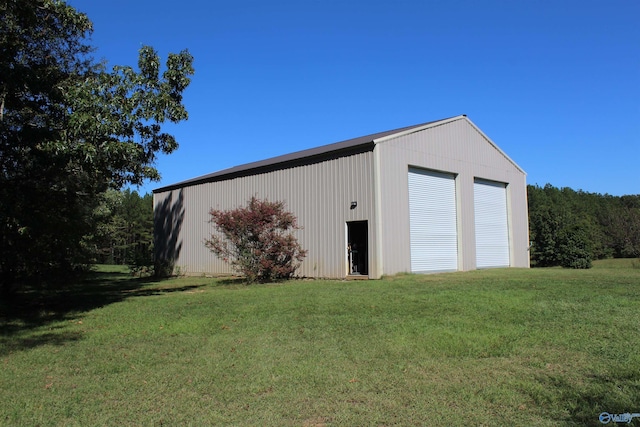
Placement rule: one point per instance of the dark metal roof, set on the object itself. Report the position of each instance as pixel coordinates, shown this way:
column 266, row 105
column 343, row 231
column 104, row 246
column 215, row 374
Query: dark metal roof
column 311, row 155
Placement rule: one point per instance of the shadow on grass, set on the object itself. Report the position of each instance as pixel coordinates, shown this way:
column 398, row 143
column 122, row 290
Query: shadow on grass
column 163, row 291
column 16, row 343
column 615, row 392
column 612, row 396
column 226, row 281
column 28, row 319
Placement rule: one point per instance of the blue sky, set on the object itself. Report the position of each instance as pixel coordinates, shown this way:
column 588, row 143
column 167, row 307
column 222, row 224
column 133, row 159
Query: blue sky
column 555, row 84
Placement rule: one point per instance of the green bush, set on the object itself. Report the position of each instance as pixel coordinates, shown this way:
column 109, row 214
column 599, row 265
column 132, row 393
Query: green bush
column 574, row 248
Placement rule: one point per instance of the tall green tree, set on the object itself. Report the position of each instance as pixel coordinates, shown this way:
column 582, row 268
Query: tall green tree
column 107, row 238
column 560, row 233
column 570, row 228
column 626, row 227
column 124, row 232
column 69, row 130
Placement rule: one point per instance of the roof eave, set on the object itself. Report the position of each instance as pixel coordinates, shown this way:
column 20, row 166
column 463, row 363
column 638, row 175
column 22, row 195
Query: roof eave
column 280, row 162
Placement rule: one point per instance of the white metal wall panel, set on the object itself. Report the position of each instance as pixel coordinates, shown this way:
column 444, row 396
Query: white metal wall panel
column 492, row 227
column 432, row 221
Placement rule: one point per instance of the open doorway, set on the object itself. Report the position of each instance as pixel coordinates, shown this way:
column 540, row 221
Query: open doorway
column 357, row 248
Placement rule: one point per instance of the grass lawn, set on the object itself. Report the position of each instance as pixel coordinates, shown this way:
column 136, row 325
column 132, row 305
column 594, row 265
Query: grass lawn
column 494, row 347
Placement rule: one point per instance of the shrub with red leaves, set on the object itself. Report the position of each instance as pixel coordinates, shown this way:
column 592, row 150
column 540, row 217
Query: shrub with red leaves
column 257, row 241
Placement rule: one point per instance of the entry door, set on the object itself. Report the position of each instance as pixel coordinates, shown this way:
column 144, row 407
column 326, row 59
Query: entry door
column 357, row 248
column 491, row 220
column 432, row 221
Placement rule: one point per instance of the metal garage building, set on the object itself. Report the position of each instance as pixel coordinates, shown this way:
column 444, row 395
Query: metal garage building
column 439, row 196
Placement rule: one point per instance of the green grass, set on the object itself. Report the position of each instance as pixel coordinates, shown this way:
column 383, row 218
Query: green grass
column 494, row 347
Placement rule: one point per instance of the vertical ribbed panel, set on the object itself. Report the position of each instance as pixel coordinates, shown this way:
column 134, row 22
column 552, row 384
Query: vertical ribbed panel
column 318, row 194
column 492, row 229
column 456, row 147
column 432, row 221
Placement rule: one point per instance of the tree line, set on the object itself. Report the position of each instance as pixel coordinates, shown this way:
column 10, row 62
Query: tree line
column 124, row 230
column 572, row 228
column 72, row 131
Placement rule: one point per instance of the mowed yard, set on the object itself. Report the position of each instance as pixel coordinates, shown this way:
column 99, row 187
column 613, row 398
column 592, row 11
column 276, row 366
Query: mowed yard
column 494, row 347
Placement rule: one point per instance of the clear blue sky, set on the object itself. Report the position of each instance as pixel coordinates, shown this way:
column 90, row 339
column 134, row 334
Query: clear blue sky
column 555, row 84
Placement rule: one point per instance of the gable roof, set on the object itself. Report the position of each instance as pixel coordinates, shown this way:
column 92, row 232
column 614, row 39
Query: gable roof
column 312, row 155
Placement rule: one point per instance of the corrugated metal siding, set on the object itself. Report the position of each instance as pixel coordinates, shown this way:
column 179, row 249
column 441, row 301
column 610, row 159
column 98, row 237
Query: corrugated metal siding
column 319, row 194
column 456, row 147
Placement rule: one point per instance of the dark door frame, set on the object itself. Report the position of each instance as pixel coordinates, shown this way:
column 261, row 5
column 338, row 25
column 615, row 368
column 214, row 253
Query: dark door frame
column 357, row 248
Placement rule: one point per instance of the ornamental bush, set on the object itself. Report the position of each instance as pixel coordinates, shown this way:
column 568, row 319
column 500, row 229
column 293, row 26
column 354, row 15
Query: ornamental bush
column 257, row 240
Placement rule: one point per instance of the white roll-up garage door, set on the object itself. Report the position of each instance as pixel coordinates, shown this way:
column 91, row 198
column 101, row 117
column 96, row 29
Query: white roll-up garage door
column 492, row 229
column 432, row 219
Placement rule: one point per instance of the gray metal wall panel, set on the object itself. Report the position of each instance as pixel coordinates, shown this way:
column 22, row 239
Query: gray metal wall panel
column 456, row 147
column 318, row 194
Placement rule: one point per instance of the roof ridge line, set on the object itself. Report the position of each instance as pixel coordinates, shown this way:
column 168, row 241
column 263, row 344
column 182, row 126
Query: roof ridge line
column 303, row 154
